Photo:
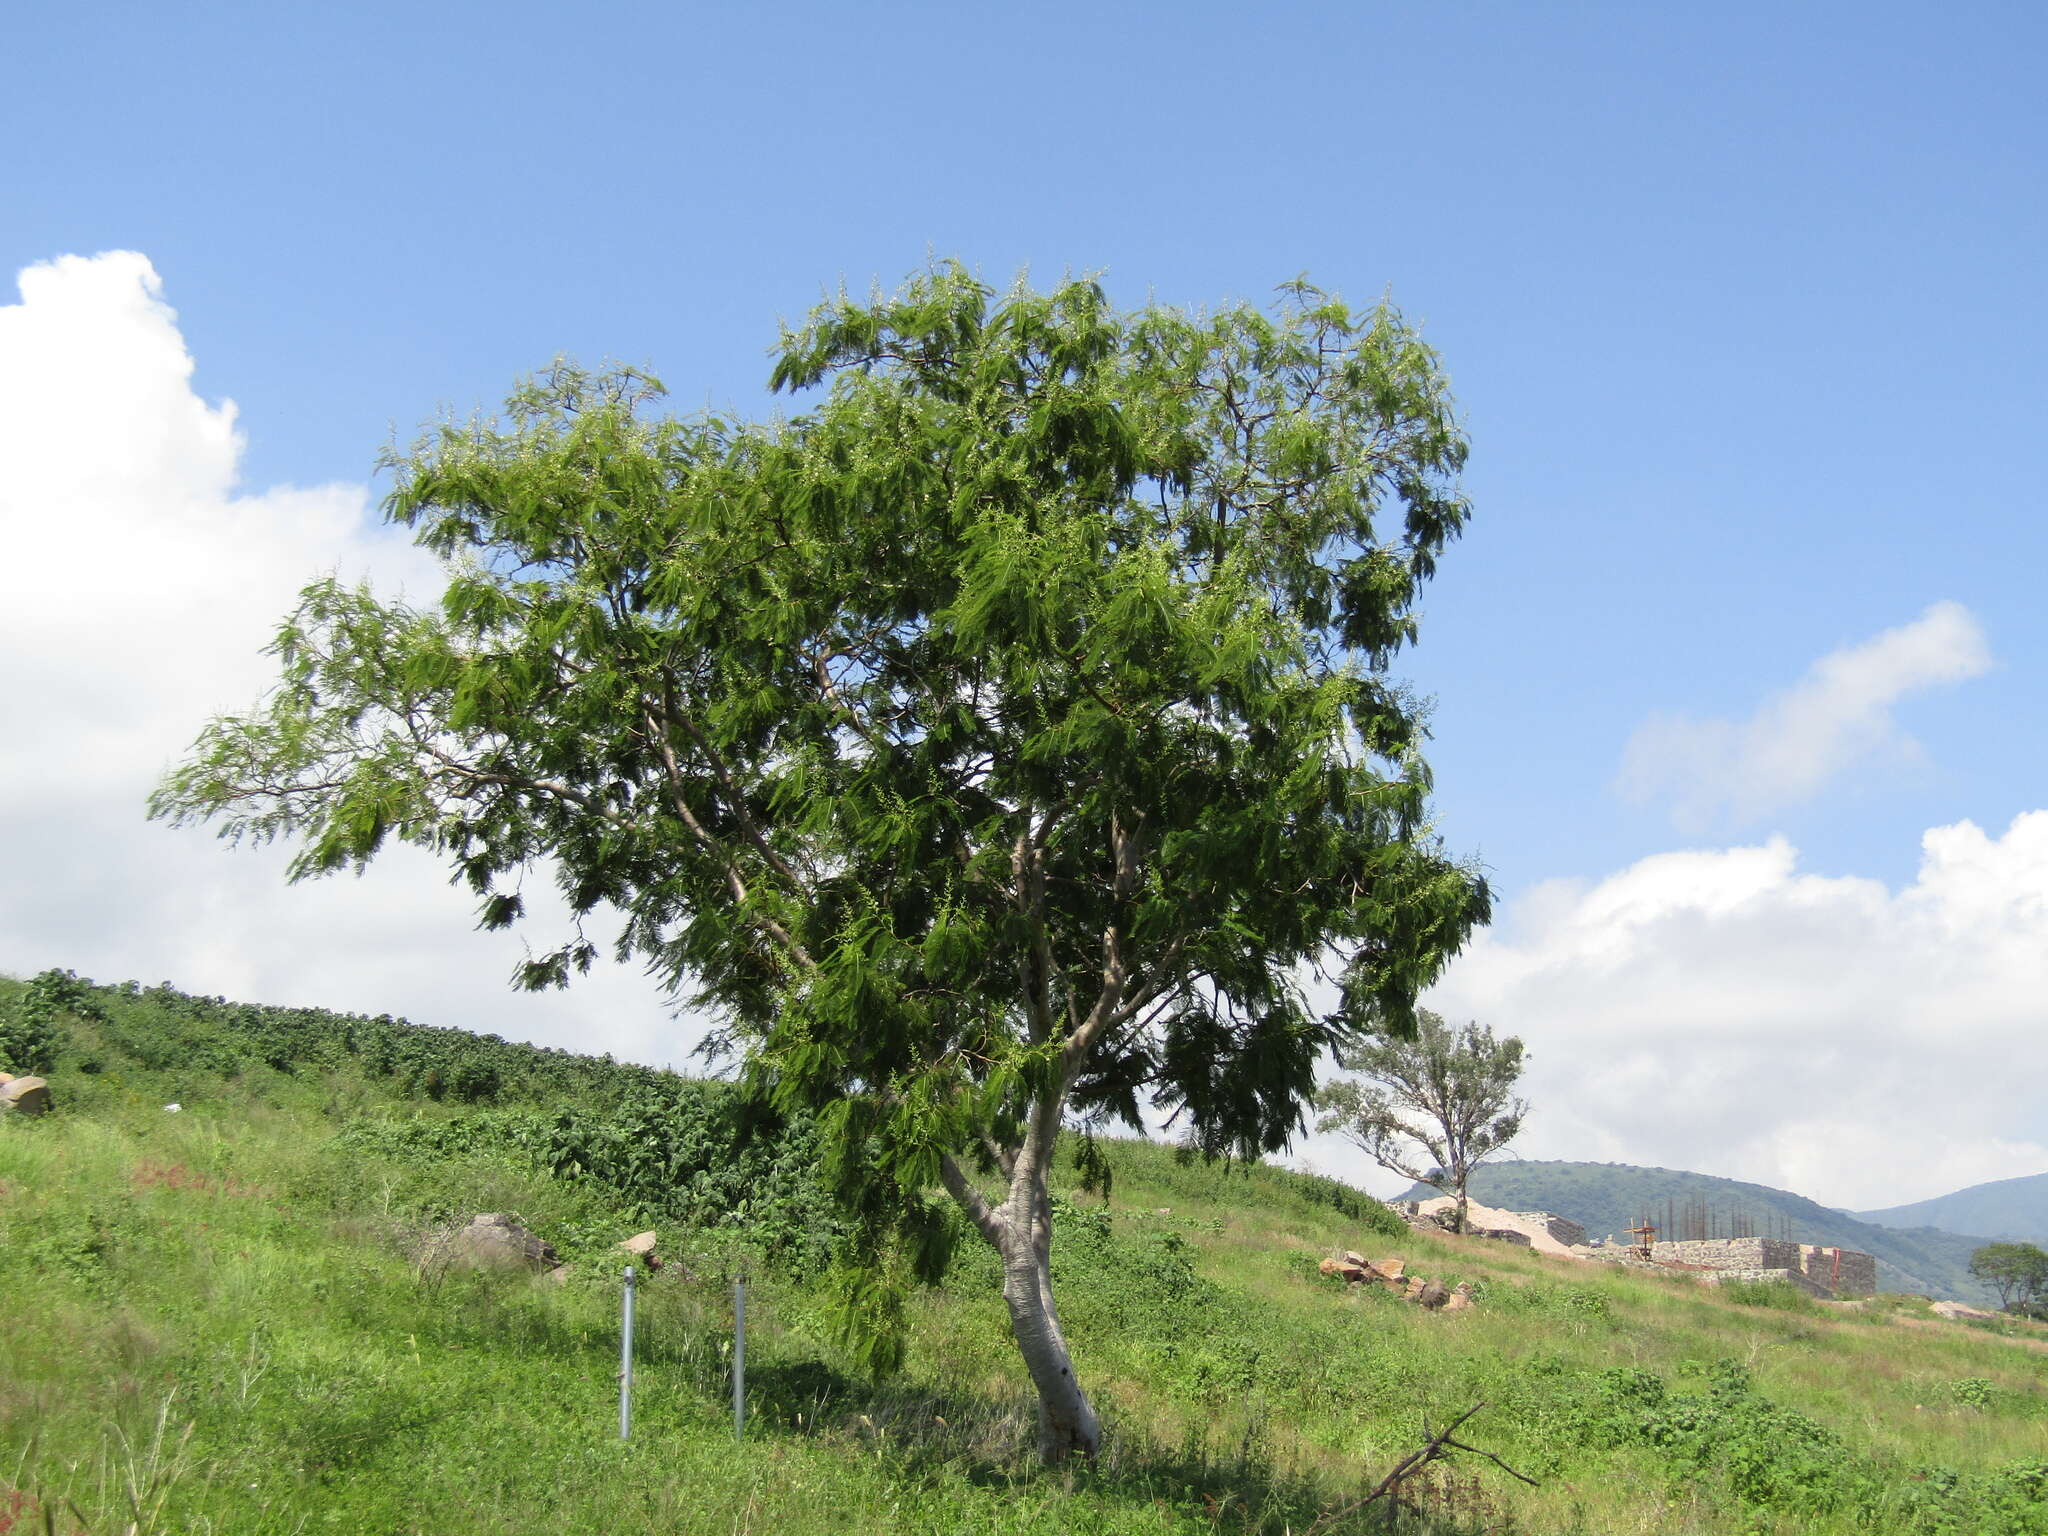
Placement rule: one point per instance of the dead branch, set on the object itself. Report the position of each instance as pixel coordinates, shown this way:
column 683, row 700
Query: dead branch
column 1392, row 1486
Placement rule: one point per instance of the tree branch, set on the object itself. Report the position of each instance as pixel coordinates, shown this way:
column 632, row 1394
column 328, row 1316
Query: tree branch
column 576, row 797
column 717, row 849
column 735, row 801
column 970, row 1200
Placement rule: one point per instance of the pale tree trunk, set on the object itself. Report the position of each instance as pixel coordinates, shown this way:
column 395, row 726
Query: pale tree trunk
column 1020, row 1231
column 1067, row 1425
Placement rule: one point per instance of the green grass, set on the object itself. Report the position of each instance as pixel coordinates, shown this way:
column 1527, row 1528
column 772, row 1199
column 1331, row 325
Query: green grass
column 216, row 1324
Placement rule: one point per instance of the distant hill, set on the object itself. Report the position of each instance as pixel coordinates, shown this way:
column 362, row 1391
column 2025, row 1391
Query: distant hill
column 2009, row 1208
column 1607, row 1198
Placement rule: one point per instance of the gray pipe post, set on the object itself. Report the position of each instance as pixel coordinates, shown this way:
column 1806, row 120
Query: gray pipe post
column 626, row 1361
column 739, row 1359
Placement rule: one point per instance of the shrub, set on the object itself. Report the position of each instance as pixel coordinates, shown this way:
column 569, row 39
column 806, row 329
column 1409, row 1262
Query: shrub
column 28, row 1030
column 1976, row 1392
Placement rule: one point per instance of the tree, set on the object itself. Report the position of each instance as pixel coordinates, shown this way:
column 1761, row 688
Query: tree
column 2019, row 1270
column 1448, row 1091
column 1006, row 738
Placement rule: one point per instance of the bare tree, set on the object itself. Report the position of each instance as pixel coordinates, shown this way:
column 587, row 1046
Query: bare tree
column 1447, row 1092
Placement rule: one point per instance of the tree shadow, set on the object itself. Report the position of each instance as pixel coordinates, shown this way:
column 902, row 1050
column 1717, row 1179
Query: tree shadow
column 1220, row 1479
column 1225, row 1483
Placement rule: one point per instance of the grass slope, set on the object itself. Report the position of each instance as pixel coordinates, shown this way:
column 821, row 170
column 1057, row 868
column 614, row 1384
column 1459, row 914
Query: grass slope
column 1607, row 1198
column 215, row 1325
column 2006, row 1208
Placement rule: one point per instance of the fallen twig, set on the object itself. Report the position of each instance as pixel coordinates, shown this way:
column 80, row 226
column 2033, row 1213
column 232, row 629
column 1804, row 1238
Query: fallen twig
column 1438, row 1446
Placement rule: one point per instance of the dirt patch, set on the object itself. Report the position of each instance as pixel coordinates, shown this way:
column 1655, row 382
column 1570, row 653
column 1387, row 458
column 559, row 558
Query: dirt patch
column 151, row 1174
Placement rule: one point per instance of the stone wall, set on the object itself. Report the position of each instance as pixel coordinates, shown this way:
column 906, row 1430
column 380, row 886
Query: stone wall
column 1852, row 1274
column 1730, row 1253
column 1561, row 1228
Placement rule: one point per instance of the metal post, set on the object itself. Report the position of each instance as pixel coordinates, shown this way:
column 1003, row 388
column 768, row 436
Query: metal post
column 626, row 1361
column 739, row 1359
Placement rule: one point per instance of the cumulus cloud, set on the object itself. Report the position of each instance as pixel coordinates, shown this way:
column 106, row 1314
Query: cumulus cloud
column 139, row 586
column 1725, row 1012
column 1835, row 717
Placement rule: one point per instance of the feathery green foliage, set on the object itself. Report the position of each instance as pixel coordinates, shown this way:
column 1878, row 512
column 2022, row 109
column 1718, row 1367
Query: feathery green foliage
column 1008, row 735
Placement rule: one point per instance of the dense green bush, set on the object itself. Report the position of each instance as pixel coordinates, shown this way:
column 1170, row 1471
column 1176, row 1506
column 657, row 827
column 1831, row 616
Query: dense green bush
column 29, row 1031
column 677, row 1149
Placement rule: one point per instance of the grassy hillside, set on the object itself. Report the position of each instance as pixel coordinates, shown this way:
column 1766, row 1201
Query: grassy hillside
column 2006, row 1208
column 217, row 1323
column 1607, row 1198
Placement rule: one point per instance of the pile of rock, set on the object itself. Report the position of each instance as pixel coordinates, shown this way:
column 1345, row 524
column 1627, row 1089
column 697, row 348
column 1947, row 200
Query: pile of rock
column 23, row 1095
column 1430, row 1295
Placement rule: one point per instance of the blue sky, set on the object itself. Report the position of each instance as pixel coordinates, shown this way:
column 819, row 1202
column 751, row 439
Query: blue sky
column 1743, row 306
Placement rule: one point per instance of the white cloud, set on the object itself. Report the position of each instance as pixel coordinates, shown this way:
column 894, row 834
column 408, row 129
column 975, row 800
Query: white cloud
column 1835, row 717
column 137, row 590
column 1715, row 1010
column 1723, row 1012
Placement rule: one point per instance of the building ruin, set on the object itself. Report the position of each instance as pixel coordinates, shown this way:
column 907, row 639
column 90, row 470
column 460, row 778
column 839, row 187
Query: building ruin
column 1825, row 1272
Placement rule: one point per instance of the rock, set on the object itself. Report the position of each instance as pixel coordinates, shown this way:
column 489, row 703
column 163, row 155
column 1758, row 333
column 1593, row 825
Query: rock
column 1392, row 1269
column 641, row 1246
column 1329, row 1266
column 1463, row 1288
column 1457, row 1301
column 1432, row 1295
column 1956, row 1310
column 25, row 1095
column 1357, row 1258
column 1414, row 1287
column 494, row 1241
column 5, row 1078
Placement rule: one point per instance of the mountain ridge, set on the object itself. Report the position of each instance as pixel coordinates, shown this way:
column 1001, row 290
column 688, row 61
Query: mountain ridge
column 2014, row 1209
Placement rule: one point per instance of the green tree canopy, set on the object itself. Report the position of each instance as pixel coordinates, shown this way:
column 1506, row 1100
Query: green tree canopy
column 1007, row 736
column 2019, row 1270
column 1433, row 1105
